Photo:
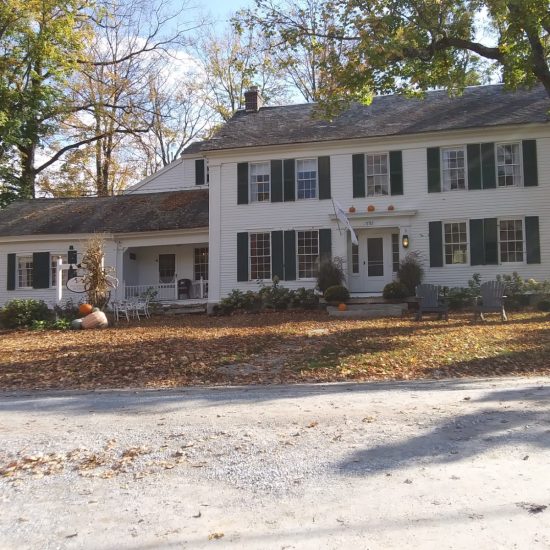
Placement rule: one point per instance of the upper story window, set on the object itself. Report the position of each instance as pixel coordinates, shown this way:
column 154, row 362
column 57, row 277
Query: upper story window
column 308, row 254
column 453, row 168
column 508, row 164
column 306, row 178
column 378, row 179
column 511, row 241
column 259, row 182
column 24, row 271
column 260, row 256
column 456, row 243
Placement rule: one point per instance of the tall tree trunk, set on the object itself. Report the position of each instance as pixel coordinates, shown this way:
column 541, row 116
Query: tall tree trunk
column 28, row 172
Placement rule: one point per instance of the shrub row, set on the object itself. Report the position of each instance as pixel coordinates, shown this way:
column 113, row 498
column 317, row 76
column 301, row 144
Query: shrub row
column 36, row 315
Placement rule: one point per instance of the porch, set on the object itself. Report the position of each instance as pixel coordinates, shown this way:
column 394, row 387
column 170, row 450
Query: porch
column 167, row 273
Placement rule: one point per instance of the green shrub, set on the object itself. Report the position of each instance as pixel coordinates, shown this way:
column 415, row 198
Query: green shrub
column 544, row 305
column 331, row 273
column 459, row 298
column 22, row 313
column 68, row 310
column 516, row 290
column 276, row 297
column 306, row 298
column 395, row 291
column 336, row 293
column 410, row 272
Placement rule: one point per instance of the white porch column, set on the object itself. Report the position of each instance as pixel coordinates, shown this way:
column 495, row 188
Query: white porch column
column 214, row 234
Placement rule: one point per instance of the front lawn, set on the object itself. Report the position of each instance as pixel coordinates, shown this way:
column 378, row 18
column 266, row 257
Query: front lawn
column 272, row 348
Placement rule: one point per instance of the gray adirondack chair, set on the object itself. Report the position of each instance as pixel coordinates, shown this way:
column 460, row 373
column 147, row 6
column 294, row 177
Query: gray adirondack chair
column 429, row 302
column 491, row 300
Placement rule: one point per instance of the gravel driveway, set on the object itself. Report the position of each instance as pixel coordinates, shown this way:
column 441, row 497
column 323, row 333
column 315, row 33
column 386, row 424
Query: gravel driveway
column 447, row 464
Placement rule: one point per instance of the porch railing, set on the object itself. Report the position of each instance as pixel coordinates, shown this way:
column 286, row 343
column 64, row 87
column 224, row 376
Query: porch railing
column 165, row 291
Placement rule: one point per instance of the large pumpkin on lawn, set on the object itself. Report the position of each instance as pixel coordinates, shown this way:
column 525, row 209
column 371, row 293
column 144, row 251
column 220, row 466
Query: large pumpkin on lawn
column 85, row 309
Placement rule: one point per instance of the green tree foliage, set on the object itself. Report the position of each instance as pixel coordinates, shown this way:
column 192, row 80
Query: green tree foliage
column 40, row 44
column 413, row 45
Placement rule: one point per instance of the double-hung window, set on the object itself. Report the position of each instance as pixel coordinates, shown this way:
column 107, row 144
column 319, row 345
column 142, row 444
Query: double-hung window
column 508, row 164
column 306, row 178
column 259, row 182
column 308, row 254
column 354, row 258
column 511, row 241
column 453, row 168
column 260, row 256
column 456, row 243
column 200, row 265
column 395, row 252
column 24, row 271
column 378, row 179
column 53, row 270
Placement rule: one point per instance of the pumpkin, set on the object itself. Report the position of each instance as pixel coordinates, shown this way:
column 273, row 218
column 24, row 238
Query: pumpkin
column 95, row 310
column 95, row 320
column 391, row 207
column 85, row 309
column 342, row 307
column 76, row 324
column 370, row 208
column 352, row 209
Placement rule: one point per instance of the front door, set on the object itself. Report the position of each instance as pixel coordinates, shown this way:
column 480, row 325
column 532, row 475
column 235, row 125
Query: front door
column 371, row 262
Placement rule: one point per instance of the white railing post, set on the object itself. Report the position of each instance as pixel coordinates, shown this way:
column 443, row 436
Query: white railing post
column 59, row 281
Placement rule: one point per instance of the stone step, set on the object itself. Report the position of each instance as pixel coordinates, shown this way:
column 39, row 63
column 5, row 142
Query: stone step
column 368, row 311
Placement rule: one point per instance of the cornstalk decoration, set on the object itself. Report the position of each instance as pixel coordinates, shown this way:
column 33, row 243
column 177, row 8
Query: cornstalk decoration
column 95, row 278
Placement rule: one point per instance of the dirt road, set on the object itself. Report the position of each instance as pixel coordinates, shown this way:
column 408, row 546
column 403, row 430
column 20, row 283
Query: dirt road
column 447, row 464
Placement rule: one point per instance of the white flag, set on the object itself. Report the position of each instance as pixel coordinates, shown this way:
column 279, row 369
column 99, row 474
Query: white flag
column 341, row 215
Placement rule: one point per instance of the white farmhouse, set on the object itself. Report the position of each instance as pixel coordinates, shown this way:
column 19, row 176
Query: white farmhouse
column 464, row 181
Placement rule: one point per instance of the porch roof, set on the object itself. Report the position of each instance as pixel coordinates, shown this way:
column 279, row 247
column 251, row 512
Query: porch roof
column 120, row 214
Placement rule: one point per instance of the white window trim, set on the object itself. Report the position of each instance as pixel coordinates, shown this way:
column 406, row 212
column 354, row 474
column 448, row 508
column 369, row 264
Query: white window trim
column 257, row 232
column 442, row 168
column 17, row 256
column 523, row 246
column 298, row 278
column 250, row 201
column 467, row 262
column 316, row 159
column 520, row 184
column 387, row 153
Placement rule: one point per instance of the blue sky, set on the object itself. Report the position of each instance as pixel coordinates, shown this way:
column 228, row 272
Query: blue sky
column 222, row 9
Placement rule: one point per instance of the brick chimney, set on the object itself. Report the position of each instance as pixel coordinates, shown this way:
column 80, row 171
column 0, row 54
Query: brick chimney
column 252, row 100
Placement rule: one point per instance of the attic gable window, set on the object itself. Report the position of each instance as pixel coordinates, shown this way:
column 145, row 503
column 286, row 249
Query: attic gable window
column 260, row 182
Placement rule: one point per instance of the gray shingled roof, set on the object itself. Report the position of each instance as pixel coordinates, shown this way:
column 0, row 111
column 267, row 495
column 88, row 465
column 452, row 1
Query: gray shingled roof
column 120, row 214
column 480, row 106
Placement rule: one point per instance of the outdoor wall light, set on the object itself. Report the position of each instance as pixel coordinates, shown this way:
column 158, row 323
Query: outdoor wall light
column 405, row 241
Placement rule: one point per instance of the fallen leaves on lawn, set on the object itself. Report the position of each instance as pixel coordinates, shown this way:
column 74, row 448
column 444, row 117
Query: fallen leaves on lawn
column 272, row 348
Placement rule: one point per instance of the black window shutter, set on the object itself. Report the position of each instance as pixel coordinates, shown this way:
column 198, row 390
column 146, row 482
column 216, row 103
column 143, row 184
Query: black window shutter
column 532, row 239
column 473, row 152
column 289, row 180
column 242, row 256
column 277, row 255
column 290, row 255
column 323, row 166
column 276, row 181
column 242, row 183
column 199, row 172
column 11, row 272
column 325, row 244
column 436, row 244
column 434, row 170
column 41, row 270
column 490, row 235
column 530, row 168
column 488, row 171
column 358, row 168
column 477, row 243
column 396, row 173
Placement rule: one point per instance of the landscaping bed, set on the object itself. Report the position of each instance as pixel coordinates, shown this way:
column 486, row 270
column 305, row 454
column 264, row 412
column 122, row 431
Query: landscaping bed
column 272, row 348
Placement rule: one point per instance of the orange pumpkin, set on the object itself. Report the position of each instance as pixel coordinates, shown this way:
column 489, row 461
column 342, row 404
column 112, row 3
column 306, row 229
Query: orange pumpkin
column 391, row 207
column 370, row 208
column 85, row 309
column 342, row 307
column 352, row 209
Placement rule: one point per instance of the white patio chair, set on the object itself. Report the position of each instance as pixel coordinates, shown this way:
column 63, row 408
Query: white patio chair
column 141, row 305
column 123, row 308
